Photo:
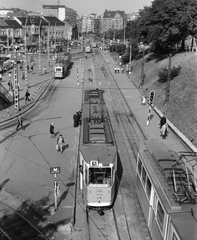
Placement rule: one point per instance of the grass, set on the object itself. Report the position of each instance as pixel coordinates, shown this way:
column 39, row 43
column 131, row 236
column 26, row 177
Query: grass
column 181, row 109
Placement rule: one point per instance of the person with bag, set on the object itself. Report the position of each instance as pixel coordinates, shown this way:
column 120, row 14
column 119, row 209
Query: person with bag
column 59, row 145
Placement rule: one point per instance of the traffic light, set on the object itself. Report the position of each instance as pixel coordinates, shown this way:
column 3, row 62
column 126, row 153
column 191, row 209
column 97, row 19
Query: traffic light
column 151, row 96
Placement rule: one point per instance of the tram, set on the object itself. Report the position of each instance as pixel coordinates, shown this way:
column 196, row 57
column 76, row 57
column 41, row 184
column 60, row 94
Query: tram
column 97, row 153
column 167, row 192
column 88, row 49
column 62, row 65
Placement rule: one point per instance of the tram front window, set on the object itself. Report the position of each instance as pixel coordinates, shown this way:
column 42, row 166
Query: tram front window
column 100, row 176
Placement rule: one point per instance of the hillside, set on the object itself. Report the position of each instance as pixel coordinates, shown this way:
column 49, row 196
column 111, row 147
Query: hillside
column 181, row 110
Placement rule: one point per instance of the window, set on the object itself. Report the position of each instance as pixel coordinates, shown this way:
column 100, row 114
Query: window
column 160, row 216
column 139, row 167
column 148, row 188
column 100, row 176
column 143, row 176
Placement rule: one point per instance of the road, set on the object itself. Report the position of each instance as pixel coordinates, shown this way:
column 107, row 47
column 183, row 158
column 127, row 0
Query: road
column 28, row 154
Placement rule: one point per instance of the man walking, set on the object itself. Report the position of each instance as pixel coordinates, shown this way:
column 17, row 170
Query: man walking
column 20, row 123
column 27, row 94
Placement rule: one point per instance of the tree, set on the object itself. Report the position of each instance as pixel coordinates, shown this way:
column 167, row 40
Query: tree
column 167, row 23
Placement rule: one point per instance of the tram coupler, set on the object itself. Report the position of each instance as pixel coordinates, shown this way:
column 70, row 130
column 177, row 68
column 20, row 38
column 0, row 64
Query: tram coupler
column 100, row 211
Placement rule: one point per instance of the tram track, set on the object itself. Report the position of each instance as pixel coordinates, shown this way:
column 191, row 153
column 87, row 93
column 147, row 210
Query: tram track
column 128, row 135
column 15, row 226
column 102, row 227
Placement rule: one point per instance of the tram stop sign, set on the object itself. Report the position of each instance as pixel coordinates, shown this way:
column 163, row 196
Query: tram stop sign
column 55, row 170
column 151, row 96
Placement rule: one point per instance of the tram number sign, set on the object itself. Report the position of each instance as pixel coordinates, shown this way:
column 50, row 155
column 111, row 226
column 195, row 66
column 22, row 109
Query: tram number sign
column 55, row 170
column 94, row 163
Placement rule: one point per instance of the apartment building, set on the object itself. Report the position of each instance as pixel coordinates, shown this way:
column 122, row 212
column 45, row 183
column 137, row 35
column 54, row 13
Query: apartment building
column 112, row 20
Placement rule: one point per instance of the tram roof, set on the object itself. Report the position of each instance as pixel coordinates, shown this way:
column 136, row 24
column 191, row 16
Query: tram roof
column 164, row 171
column 185, row 224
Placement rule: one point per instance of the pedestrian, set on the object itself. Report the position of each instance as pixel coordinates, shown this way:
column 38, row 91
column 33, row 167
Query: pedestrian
column 162, row 121
column 143, row 100
column 27, row 94
column 23, row 76
column 44, row 70
column 115, row 69
column 20, row 122
column 60, row 141
column 32, row 68
column 75, row 118
column 10, row 75
column 51, row 130
column 28, row 68
column 1, row 77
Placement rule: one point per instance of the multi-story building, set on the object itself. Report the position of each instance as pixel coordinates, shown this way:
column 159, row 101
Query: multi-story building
column 10, row 31
column 61, row 12
column 131, row 16
column 89, row 23
column 5, row 11
column 112, row 20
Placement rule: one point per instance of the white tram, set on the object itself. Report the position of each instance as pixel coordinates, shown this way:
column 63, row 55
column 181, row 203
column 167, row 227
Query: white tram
column 167, row 192
column 98, row 152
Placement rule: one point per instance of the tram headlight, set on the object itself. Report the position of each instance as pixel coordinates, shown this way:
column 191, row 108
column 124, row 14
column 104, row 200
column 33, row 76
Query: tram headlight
column 99, row 199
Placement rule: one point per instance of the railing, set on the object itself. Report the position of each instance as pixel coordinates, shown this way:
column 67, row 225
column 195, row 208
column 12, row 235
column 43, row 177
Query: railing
column 6, row 93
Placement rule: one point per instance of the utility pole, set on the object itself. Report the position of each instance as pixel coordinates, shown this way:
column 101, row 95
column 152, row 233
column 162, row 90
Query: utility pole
column 25, row 59
column 48, row 44
column 130, row 56
column 142, row 70
column 39, row 50
column 16, row 92
column 167, row 97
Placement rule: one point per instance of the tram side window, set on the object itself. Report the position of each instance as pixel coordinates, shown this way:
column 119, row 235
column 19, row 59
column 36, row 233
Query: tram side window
column 139, row 167
column 160, row 216
column 148, row 187
column 100, row 176
column 143, row 176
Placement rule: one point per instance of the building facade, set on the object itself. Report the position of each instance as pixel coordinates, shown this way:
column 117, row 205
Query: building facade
column 113, row 20
column 61, row 12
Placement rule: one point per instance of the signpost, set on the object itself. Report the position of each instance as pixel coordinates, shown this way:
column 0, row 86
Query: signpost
column 151, row 99
column 55, row 171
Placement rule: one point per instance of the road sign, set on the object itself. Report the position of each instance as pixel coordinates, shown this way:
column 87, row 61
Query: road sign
column 151, row 96
column 55, row 170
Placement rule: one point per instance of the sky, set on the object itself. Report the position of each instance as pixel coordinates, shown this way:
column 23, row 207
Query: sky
column 81, row 6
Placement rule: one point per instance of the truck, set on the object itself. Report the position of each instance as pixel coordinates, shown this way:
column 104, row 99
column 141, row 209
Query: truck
column 61, row 66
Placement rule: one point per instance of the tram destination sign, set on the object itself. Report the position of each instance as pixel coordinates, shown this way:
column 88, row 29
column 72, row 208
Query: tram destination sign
column 55, row 170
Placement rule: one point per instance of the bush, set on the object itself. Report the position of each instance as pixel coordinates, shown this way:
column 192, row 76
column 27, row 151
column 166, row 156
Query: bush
column 163, row 74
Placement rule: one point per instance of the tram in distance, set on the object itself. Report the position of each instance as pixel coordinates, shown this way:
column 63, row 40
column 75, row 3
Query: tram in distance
column 97, row 153
column 88, row 49
column 61, row 66
column 167, row 192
